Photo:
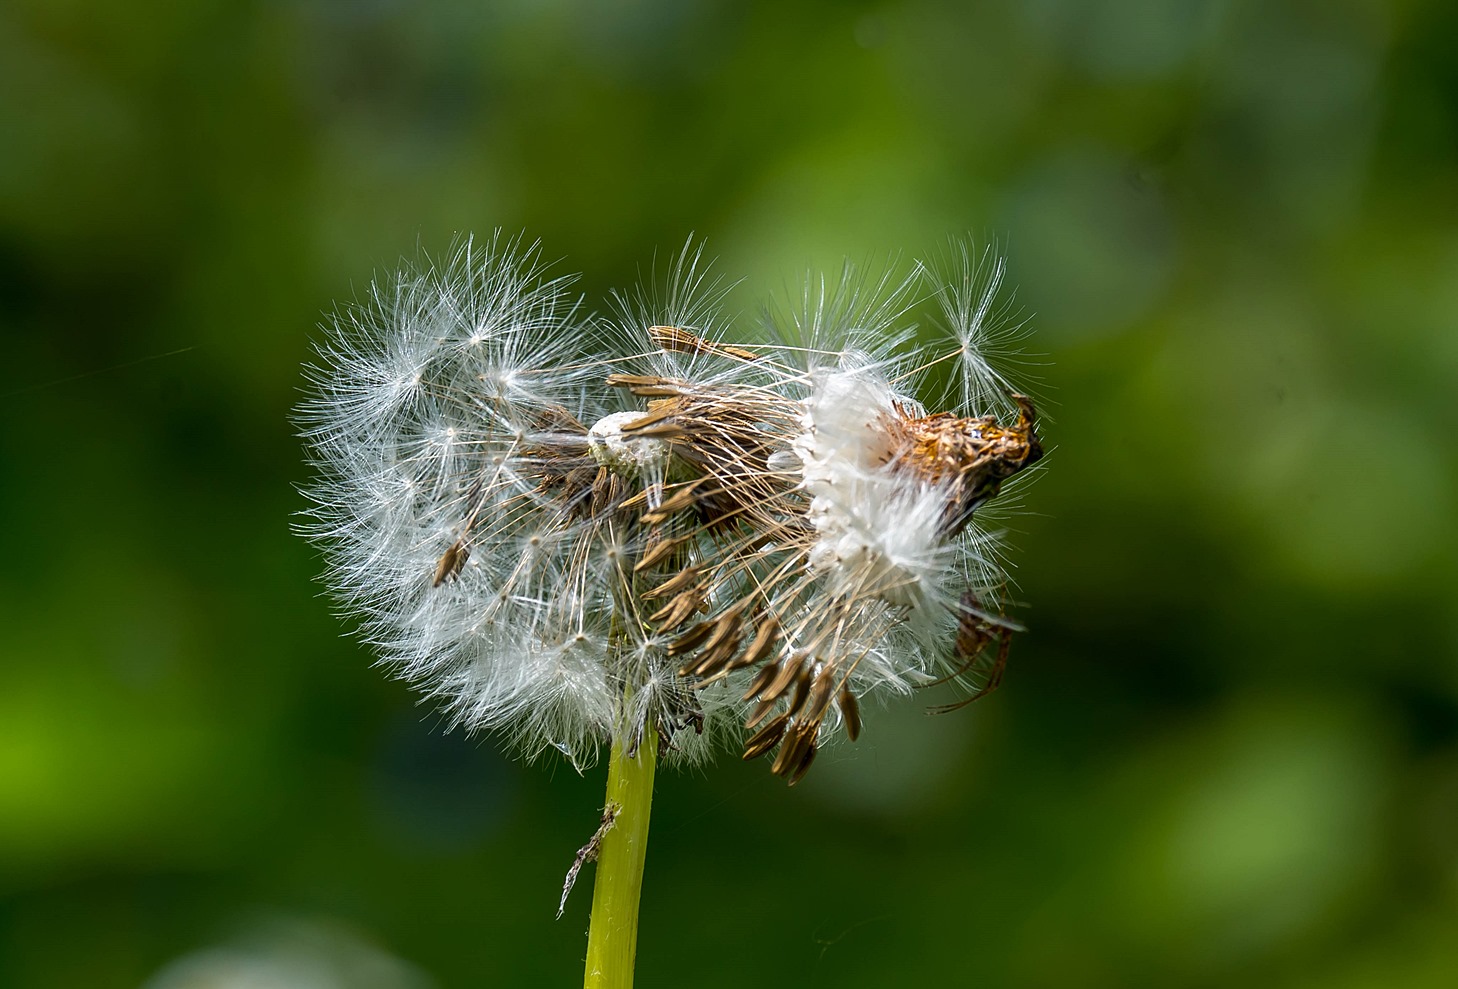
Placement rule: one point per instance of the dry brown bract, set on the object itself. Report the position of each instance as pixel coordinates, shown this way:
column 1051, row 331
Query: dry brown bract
column 977, row 455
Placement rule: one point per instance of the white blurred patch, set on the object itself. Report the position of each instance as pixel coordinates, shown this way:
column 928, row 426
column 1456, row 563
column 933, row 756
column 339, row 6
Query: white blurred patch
column 291, row 953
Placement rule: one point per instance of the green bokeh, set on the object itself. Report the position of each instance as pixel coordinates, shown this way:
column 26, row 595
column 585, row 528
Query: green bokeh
column 1225, row 754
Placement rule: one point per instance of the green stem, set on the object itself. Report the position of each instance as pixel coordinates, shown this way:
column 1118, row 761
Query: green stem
column 612, row 939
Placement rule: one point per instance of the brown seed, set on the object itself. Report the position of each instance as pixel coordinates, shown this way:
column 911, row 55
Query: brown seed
column 633, row 380
column 738, row 663
column 647, row 386
column 766, row 738
column 797, row 773
column 606, row 491
column 762, row 680
column 677, row 611
column 802, row 689
column 668, row 410
column 674, row 584
column 682, row 499
column 711, row 661
column 850, row 710
column 761, row 709
column 674, row 338
column 555, row 418
column 681, row 340
column 657, row 554
column 690, row 639
column 760, row 645
column 792, row 750
column 789, row 672
column 451, row 563
column 670, row 431
column 820, row 694
column 725, row 625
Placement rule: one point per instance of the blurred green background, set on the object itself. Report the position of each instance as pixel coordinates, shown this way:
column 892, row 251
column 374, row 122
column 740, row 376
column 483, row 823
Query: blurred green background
column 1225, row 754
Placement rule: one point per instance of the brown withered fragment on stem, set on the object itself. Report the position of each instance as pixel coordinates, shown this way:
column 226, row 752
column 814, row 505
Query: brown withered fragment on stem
column 587, row 853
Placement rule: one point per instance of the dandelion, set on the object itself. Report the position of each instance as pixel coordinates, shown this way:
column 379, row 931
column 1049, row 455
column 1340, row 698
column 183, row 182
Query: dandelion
column 626, row 533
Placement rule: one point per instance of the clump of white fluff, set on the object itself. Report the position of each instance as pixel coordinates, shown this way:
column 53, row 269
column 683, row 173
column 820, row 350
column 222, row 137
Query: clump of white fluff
column 878, row 532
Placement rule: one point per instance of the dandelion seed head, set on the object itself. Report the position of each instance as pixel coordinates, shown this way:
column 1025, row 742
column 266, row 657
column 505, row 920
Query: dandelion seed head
column 568, row 530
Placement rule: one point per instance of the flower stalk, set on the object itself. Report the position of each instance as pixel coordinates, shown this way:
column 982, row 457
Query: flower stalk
column 612, row 940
